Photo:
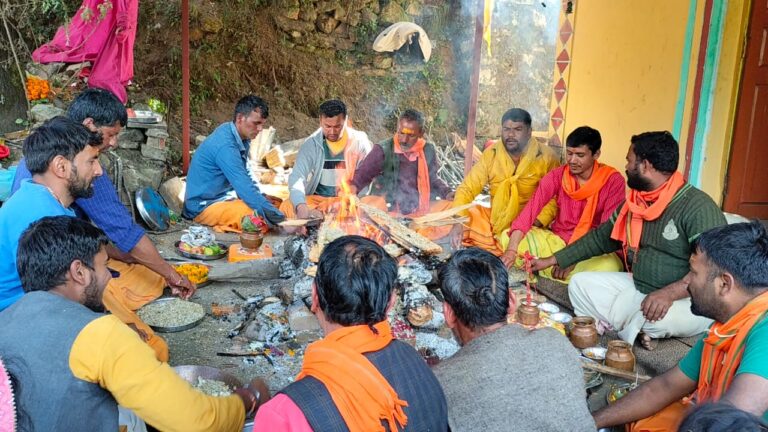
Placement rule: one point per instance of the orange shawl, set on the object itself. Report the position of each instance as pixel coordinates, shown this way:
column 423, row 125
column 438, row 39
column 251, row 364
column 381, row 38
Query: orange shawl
column 362, row 395
column 350, row 156
column 590, row 191
column 417, row 153
column 724, row 347
column 643, row 206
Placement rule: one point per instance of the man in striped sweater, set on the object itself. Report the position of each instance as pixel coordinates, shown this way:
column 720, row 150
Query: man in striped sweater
column 654, row 229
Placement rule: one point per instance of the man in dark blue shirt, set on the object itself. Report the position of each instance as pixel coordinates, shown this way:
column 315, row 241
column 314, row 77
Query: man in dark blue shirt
column 143, row 271
column 220, row 192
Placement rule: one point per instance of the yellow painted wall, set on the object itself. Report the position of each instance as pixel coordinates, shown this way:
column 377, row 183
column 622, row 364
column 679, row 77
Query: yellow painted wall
column 625, row 69
column 625, row 76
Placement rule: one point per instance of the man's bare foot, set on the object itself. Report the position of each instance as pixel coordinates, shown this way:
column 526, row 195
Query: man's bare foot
column 647, row 342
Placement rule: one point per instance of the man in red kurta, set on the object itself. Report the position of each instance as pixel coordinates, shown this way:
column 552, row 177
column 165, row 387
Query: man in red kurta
column 586, row 192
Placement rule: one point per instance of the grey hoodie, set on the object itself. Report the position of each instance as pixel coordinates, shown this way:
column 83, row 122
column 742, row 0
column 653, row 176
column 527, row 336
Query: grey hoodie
column 305, row 176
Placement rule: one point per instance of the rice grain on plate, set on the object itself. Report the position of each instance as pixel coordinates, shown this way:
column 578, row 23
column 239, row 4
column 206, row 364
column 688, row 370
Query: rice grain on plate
column 171, row 313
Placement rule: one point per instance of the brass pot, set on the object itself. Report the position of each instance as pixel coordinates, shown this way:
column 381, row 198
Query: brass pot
column 583, row 332
column 251, row 240
column 528, row 313
column 620, row 356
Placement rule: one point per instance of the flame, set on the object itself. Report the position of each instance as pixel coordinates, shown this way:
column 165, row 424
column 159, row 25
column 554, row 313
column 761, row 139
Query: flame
column 348, row 217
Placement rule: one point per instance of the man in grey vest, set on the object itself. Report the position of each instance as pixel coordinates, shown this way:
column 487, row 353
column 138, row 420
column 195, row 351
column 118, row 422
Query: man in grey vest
column 74, row 365
column 505, row 377
column 358, row 378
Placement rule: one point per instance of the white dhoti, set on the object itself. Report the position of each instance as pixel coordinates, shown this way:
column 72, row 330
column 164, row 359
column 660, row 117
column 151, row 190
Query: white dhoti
column 612, row 299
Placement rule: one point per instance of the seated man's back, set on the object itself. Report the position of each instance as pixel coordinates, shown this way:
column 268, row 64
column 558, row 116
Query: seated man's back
column 505, row 377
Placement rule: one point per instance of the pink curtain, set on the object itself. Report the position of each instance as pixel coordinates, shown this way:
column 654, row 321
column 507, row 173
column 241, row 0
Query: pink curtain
column 107, row 43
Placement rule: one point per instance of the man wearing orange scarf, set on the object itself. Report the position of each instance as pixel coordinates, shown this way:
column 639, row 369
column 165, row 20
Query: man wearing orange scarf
column 586, row 192
column 654, row 230
column 511, row 168
column 403, row 171
column 728, row 282
column 326, row 162
column 357, row 378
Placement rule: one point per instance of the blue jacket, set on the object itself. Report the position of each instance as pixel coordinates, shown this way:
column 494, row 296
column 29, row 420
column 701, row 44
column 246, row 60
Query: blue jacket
column 218, row 168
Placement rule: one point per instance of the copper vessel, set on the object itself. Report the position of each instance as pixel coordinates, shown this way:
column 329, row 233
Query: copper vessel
column 620, row 356
column 528, row 313
column 583, row 332
column 251, row 240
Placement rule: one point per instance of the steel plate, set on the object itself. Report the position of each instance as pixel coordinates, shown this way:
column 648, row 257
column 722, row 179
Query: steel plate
column 153, row 209
column 175, row 329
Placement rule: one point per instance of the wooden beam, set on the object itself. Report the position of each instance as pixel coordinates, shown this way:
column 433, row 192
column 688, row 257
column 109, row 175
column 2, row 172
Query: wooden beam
column 402, row 235
column 619, row 373
column 474, row 83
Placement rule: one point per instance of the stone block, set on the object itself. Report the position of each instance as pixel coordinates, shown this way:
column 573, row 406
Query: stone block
column 382, row 62
column 43, row 112
column 369, row 17
column 326, row 24
column 152, row 151
column 130, row 138
column 354, row 19
column 136, row 178
column 44, row 71
column 340, row 14
column 288, row 25
column 308, row 13
column 300, row 318
column 393, row 13
column 292, row 12
column 199, row 140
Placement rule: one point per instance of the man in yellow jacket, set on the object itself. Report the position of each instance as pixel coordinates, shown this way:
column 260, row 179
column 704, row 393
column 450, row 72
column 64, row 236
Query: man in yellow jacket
column 511, row 168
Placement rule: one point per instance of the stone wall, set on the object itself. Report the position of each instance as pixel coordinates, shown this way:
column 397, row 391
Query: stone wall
column 336, row 25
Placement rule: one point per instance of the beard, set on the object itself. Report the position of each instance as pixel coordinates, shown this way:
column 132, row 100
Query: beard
column 92, row 297
column 637, row 182
column 79, row 187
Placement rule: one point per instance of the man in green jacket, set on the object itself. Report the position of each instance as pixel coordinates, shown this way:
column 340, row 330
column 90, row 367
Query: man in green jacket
column 662, row 216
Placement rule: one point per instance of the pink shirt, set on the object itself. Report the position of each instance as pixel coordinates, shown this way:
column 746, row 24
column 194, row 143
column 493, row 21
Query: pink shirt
column 280, row 414
column 569, row 210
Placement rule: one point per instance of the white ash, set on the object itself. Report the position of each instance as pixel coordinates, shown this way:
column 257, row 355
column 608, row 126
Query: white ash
column 414, row 273
column 442, row 347
column 415, row 295
column 270, row 324
column 303, row 288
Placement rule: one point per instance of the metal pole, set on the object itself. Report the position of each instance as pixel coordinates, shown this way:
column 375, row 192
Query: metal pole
column 474, row 84
column 185, row 85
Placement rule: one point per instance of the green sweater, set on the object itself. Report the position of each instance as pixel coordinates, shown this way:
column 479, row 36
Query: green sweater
column 665, row 244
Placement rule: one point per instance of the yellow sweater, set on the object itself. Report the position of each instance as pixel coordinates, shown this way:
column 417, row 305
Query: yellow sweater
column 110, row 354
column 510, row 188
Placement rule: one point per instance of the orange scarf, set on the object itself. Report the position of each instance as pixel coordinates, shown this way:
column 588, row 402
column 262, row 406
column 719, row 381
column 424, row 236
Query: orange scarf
column 629, row 224
column 362, row 395
column 351, row 156
column 724, row 347
column 590, row 191
column 417, row 153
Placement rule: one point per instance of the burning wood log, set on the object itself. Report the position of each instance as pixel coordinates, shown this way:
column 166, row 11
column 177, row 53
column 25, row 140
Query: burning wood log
column 406, row 237
column 461, row 145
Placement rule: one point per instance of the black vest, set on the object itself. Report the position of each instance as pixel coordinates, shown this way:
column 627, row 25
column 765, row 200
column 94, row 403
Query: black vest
column 36, row 336
column 405, row 371
column 386, row 184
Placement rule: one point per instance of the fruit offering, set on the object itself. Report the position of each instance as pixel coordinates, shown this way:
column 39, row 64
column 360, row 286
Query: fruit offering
column 211, row 249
